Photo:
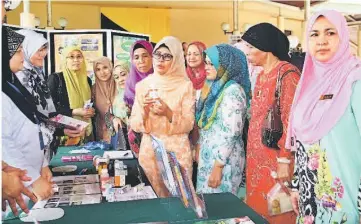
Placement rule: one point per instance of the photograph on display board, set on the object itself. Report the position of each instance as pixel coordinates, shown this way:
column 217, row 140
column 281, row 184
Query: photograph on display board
column 92, row 44
column 122, row 42
column 42, row 32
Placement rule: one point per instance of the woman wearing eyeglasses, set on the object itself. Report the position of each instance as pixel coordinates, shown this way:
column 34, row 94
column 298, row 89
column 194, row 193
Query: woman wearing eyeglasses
column 164, row 107
column 33, row 81
column 71, row 88
column 220, row 115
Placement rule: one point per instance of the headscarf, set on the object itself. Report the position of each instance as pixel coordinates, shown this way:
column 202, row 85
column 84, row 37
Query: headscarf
column 14, row 40
column 32, row 77
column 135, row 76
column 310, row 118
column 77, row 85
column 268, row 38
column 176, row 76
column 119, row 108
column 104, row 95
column 198, row 82
column 231, row 65
column 76, row 82
column 104, row 91
column 11, row 41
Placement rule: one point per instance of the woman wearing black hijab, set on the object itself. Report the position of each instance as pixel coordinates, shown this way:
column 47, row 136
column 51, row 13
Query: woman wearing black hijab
column 268, row 47
column 21, row 135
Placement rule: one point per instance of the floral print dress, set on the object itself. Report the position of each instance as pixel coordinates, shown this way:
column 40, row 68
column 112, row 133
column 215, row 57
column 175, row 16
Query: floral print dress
column 223, row 142
column 328, row 173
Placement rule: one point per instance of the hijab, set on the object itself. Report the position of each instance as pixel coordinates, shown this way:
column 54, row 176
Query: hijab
column 135, row 76
column 192, row 73
column 19, row 96
column 231, row 65
column 119, row 108
column 77, row 85
column 76, row 82
column 268, row 38
column 176, row 76
column 11, row 41
column 311, row 119
column 32, row 77
column 104, row 91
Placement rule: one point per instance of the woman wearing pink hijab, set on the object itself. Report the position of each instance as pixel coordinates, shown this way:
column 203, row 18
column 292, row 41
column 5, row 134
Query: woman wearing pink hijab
column 325, row 126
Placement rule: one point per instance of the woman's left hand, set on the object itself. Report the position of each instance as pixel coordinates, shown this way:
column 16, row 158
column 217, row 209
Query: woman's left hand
column 216, row 176
column 161, row 108
column 117, row 123
column 46, row 174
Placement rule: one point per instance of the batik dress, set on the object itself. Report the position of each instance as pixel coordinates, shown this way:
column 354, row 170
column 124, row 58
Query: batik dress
column 223, row 142
column 261, row 160
column 328, row 173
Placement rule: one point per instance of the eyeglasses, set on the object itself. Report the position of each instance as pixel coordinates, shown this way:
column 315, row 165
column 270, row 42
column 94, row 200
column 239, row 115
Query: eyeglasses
column 164, row 57
column 79, row 58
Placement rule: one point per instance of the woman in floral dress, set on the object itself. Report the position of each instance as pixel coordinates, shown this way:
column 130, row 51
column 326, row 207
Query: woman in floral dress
column 325, row 126
column 269, row 49
column 221, row 114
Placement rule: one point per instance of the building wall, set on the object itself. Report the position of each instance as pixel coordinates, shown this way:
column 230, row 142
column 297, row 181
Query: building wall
column 141, row 20
column 186, row 24
column 78, row 16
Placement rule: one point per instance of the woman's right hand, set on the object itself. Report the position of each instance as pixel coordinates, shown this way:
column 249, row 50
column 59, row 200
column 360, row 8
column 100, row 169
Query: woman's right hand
column 295, row 196
column 74, row 133
column 42, row 188
column 148, row 103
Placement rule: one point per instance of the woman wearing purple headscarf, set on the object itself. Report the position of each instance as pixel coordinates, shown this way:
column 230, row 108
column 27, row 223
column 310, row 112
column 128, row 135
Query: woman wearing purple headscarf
column 141, row 67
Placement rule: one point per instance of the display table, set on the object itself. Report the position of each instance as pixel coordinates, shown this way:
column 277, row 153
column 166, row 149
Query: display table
column 171, row 210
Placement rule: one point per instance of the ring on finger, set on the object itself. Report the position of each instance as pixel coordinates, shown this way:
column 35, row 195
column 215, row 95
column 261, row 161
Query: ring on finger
column 286, row 184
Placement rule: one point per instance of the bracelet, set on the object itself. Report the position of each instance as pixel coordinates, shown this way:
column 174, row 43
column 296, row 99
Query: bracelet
column 283, row 160
column 294, row 189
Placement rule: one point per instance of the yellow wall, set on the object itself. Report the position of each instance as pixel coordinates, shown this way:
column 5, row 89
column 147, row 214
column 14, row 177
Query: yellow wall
column 78, row 16
column 186, row 24
column 205, row 24
column 139, row 20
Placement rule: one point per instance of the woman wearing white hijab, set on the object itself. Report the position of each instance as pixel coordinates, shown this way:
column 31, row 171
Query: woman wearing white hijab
column 33, row 79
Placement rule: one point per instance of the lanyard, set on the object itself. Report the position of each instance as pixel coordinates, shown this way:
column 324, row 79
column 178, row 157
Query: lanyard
column 41, row 140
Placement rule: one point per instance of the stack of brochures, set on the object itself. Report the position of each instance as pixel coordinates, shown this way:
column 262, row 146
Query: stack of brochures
column 73, row 190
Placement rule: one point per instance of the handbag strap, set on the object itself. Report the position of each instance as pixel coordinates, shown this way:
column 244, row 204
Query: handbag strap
column 280, row 77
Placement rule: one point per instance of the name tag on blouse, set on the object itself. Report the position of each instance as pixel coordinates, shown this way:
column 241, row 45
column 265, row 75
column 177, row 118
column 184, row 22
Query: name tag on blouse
column 326, row 97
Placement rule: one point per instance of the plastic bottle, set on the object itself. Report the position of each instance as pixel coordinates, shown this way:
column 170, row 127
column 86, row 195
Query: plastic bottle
column 117, row 171
column 104, row 180
column 153, row 92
